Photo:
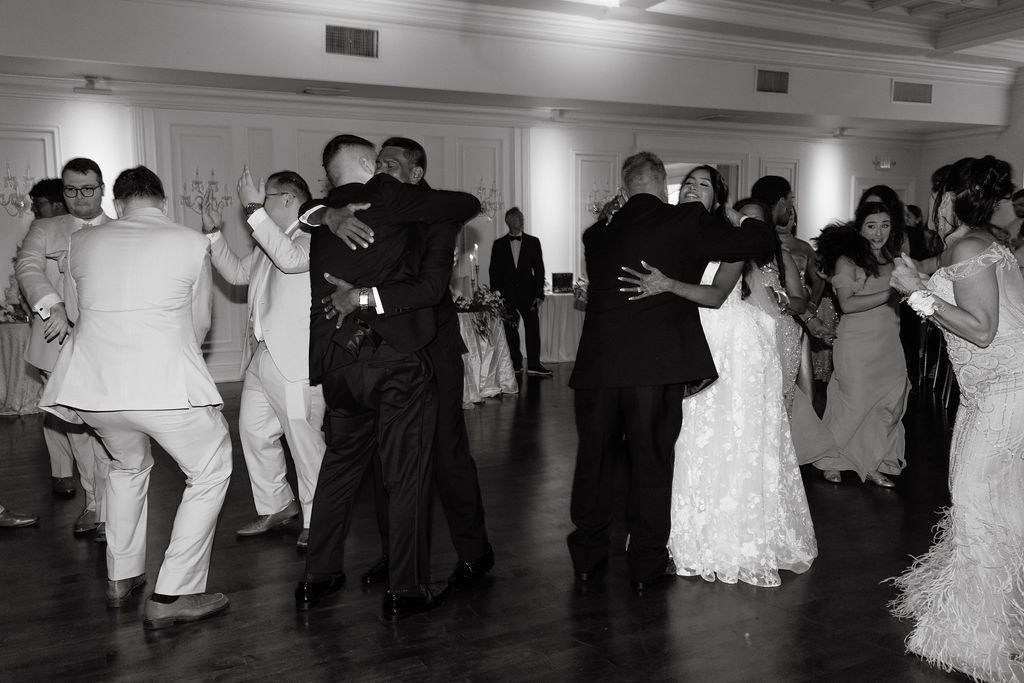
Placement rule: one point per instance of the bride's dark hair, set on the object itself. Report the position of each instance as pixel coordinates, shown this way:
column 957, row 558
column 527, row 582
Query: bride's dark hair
column 719, row 188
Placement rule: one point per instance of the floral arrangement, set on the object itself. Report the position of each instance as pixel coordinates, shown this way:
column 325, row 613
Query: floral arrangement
column 486, row 304
column 579, row 290
column 14, row 308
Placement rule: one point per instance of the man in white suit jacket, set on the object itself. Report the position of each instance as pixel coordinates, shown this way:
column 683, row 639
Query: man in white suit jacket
column 40, row 268
column 276, row 397
column 133, row 369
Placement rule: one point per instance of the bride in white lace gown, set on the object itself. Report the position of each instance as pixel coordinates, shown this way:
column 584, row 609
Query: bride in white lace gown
column 739, row 512
column 966, row 595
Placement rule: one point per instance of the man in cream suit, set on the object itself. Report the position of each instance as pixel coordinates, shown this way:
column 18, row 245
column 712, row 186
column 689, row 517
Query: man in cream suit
column 133, row 369
column 40, row 268
column 276, row 397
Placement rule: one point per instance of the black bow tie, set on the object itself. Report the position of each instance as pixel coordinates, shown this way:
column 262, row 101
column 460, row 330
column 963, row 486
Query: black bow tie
column 514, row 237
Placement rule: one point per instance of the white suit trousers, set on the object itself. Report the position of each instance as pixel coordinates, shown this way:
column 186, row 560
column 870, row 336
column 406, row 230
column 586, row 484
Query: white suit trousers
column 272, row 407
column 197, row 439
column 68, row 444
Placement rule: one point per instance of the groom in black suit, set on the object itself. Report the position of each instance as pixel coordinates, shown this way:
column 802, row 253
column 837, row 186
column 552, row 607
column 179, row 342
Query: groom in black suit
column 638, row 359
column 376, row 376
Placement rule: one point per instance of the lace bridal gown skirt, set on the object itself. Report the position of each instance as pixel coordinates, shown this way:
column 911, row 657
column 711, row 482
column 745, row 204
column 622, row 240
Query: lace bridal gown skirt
column 739, row 512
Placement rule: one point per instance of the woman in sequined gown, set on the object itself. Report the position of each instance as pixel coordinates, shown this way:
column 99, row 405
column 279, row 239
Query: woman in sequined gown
column 966, row 594
column 783, row 278
column 796, row 362
column 739, row 512
column 868, row 392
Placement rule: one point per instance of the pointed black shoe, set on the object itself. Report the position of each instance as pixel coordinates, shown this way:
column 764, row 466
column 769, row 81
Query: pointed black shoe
column 308, row 594
column 378, row 573
column 468, row 573
column 397, row 606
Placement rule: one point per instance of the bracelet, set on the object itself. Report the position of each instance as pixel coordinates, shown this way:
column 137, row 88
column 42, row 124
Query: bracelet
column 364, row 299
column 922, row 302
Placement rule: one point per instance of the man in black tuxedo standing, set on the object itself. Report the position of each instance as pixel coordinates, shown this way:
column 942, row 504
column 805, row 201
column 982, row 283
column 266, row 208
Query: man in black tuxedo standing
column 377, row 378
column 455, row 472
column 638, row 359
column 517, row 272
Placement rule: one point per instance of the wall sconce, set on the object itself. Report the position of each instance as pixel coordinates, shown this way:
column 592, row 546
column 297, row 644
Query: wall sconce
column 14, row 197
column 884, row 163
column 203, row 193
column 491, row 201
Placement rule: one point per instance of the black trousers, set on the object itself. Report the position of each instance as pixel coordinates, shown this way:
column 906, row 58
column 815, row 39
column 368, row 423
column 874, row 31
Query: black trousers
column 384, row 404
column 651, row 418
column 455, row 473
column 531, row 321
column 911, row 329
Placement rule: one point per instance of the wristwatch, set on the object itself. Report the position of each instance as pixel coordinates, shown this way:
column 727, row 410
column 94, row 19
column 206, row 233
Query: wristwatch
column 251, row 208
column 364, row 299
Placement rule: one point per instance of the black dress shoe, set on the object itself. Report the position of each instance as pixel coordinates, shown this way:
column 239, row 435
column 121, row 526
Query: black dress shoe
column 308, row 594
column 13, row 520
column 657, row 581
column 397, row 606
column 468, row 573
column 593, row 574
column 378, row 573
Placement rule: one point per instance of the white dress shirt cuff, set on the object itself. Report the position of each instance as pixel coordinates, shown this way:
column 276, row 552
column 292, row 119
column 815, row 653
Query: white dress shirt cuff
column 42, row 306
column 377, row 302
column 214, row 236
column 258, row 214
column 304, row 218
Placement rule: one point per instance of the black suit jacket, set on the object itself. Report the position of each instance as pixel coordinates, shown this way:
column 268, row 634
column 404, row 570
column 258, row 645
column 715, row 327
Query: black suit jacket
column 519, row 283
column 657, row 340
column 397, row 213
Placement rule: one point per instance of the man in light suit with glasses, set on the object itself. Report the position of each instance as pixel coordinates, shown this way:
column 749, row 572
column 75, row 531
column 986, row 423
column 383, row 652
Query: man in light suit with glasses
column 40, row 268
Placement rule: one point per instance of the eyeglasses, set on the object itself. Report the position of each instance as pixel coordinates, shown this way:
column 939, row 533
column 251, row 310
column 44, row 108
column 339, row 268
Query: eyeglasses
column 277, row 194
column 71, row 191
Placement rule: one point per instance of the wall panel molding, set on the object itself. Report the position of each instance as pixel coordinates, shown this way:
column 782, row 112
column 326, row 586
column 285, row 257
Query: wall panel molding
column 25, row 150
column 590, row 171
column 786, row 168
column 206, row 150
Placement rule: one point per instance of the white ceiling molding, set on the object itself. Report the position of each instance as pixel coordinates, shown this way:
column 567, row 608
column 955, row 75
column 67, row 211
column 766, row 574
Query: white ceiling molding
column 995, row 27
column 451, row 16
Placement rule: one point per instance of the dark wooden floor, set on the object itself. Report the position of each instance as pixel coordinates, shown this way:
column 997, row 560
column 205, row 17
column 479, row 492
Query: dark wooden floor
column 525, row 622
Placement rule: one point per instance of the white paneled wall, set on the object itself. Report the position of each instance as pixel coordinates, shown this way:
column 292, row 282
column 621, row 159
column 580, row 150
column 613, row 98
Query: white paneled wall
column 547, row 167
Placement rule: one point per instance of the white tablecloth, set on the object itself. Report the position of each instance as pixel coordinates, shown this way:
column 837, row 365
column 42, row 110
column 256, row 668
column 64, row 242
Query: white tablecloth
column 20, row 384
column 561, row 324
column 488, row 362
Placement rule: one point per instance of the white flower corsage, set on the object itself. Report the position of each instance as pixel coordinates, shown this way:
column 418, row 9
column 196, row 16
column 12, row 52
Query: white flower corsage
column 922, row 302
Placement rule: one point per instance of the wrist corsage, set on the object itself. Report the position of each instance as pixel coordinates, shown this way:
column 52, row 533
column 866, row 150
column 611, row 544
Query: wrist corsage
column 922, row 302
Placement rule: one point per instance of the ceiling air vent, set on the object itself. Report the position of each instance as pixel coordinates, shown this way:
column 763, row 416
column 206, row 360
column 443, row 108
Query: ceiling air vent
column 916, row 93
column 772, row 81
column 357, row 42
